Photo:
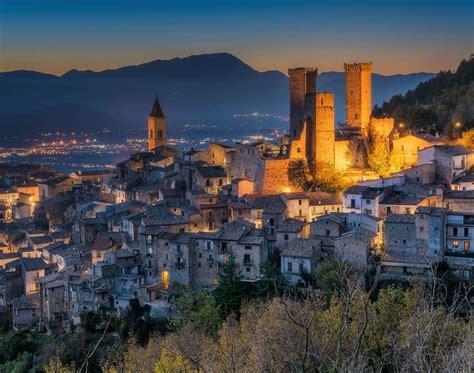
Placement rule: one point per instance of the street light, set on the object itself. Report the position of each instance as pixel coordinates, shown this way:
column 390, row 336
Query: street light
column 458, row 124
column 401, row 125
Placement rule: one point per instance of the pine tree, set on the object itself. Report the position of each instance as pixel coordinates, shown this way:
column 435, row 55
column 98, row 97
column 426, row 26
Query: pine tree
column 231, row 290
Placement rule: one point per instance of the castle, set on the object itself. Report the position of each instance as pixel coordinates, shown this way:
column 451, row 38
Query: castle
column 314, row 140
column 313, row 134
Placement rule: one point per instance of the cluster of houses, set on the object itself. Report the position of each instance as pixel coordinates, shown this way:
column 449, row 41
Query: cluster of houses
column 97, row 239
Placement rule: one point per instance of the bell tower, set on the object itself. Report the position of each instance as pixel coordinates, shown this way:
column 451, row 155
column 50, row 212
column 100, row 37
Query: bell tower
column 156, row 127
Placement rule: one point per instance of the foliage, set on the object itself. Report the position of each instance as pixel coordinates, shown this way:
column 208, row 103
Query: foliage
column 201, row 310
column 55, row 365
column 325, row 177
column 379, row 158
column 467, row 139
column 231, row 290
column 137, row 322
column 271, row 282
column 399, row 331
column 22, row 364
column 437, row 104
column 298, row 173
column 14, row 343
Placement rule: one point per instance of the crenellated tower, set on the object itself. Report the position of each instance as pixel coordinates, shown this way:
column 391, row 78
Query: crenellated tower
column 156, row 127
column 358, row 95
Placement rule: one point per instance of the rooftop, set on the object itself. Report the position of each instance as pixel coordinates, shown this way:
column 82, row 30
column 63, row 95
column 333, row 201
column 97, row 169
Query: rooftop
column 303, row 248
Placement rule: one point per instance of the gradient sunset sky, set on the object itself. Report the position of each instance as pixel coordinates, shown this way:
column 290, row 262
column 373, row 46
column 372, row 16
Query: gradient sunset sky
column 398, row 36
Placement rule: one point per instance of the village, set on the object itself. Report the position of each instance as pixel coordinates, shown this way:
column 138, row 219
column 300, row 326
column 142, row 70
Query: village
column 87, row 240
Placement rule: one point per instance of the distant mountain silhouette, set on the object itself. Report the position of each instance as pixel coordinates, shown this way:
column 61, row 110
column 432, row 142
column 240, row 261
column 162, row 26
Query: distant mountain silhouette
column 207, row 88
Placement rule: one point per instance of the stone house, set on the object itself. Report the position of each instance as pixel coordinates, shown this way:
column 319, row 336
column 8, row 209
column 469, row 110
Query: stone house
column 450, row 161
column 220, row 155
column 289, row 230
column 297, row 205
column 25, row 311
column 408, row 147
column 300, row 257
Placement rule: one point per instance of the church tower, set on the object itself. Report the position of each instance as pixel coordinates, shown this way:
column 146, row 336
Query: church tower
column 156, row 127
column 358, row 95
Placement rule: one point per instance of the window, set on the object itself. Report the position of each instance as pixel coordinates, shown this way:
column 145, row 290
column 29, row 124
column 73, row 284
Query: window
column 301, row 267
column 299, row 202
column 466, row 232
column 407, row 210
column 367, row 201
column 404, row 242
column 248, row 269
column 271, row 222
column 455, row 244
column 328, row 232
column 455, row 231
column 422, row 229
column 389, row 210
column 247, row 259
column 467, row 245
column 353, row 203
column 224, row 247
column 160, row 134
column 285, row 237
column 208, row 245
column 248, row 247
column 289, row 267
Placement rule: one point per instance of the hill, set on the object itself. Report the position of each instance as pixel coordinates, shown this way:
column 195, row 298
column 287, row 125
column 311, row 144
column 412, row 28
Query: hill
column 207, row 88
column 442, row 104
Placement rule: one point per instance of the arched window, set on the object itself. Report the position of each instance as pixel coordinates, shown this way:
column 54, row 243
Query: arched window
column 160, row 134
column 151, row 134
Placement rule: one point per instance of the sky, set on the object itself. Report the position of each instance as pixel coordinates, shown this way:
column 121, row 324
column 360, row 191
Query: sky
column 401, row 36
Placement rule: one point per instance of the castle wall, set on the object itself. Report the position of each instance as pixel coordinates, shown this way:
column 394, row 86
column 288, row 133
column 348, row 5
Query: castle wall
column 342, row 158
column 245, row 162
column 358, row 95
column 272, row 176
column 380, row 128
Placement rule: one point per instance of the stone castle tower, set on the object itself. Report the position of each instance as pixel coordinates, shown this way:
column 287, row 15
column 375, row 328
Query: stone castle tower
column 358, row 95
column 325, row 136
column 156, row 127
column 312, row 131
column 302, row 81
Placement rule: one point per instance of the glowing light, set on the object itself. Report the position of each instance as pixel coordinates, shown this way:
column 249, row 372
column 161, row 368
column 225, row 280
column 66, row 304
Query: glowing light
column 287, row 189
column 458, row 124
column 401, row 125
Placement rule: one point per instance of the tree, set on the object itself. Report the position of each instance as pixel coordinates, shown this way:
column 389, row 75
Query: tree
column 201, row 310
column 467, row 139
column 230, row 290
column 379, row 158
column 298, row 173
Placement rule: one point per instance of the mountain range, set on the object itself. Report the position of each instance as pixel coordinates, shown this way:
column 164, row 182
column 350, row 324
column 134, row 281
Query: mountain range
column 208, row 88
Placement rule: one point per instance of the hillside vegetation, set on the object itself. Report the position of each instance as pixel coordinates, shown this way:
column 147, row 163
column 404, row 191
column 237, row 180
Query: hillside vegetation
column 443, row 104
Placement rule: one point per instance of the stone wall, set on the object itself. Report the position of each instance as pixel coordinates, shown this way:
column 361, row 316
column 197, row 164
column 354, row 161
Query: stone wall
column 380, row 128
column 272, row 176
